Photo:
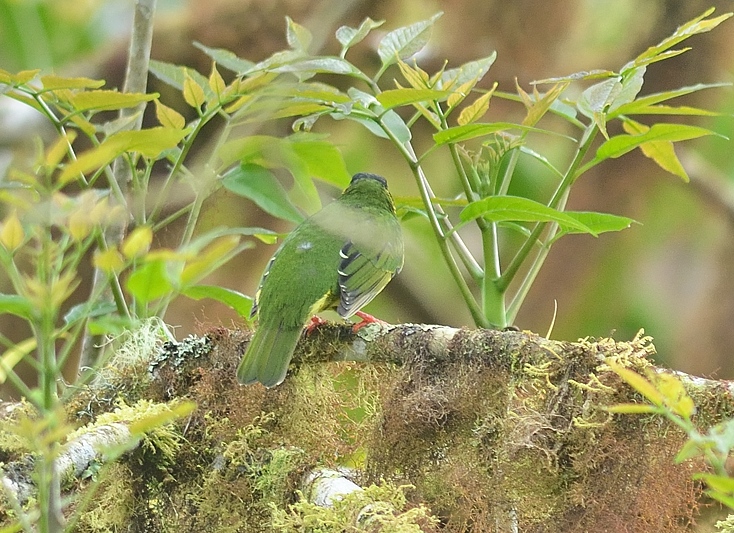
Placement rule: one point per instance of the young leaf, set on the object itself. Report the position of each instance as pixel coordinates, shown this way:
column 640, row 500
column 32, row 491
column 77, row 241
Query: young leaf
column 241, row 303
column 226, row 59
column 12, row 234
column 477, row 109
column 416, row 77
column 193, row 94
column 621, row 144
column 216, row 82
column 348, row 37
column 690, row 28
column 298, row 37
column 637, row 382
column 471, row 71
column 20, row 78
column 518, row 209
column 260, row 185
column 406, row 41
column 662, row 152
column 168, row 117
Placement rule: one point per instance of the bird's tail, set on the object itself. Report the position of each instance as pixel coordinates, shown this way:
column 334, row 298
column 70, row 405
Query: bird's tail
column 268, row 355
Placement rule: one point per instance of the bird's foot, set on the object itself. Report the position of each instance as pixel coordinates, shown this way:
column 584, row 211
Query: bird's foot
column 314, row 323
column 366, row 319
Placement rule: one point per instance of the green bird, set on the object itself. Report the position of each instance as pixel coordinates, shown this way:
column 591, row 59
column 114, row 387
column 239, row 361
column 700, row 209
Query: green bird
column 339, row 258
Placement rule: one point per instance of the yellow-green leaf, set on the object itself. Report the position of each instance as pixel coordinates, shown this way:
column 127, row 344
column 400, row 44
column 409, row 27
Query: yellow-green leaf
column 462, row 91
column 216, row 82
column 674, row 394
column 632, row 408
column 15, row 355
column 662, row 152
column 109, row 261
column 415, row 76
column 51, row 82
column 477, row 109
column 79, row 225
column 107, row 100
column 209, row 259
column 637, row 382
column 149, row 143
column 193, row 94
column 20, row 78
column 168, row 117
column 138, row 242
column 12, row 234
column 59, row 149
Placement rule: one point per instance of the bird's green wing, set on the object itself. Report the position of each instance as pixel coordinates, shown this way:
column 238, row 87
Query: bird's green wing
column 256, row 300
column 363, row 274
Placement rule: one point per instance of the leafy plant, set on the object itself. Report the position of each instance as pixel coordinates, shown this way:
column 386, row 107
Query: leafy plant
column 103, row 188
column 668, row 397
column 485, row 155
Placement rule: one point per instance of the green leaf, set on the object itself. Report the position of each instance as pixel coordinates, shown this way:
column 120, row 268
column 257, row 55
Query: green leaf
column 576, row 76
column 320, row 65
column 406, row 41
column 175, row 76
column 393, row 123
column 662, row 152
column 226, row 59
column 645, row 102
column 15, row 305
column 107, row 100
column 470, row 131
column 598, row 222
column 518, row 209
column 298, row 37
column 719, row 483
column 89, row 310
column 248, row 149
column 260, row 185
column 236, row 300
column 631, row 85
column 348, row 37
column 322, row 160
column 149, row 143
column 397, row 97
column 621, row 144
column 150, row 281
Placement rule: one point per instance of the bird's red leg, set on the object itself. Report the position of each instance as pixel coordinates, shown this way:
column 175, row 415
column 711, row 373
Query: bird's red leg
column 366, row 319
column 315, row 322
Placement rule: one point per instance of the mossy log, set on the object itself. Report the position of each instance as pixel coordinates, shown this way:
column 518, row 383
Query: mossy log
column 461, row 430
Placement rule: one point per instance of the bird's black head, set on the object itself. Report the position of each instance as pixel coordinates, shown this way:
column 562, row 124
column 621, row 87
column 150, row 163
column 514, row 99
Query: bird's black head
column 365, row 176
